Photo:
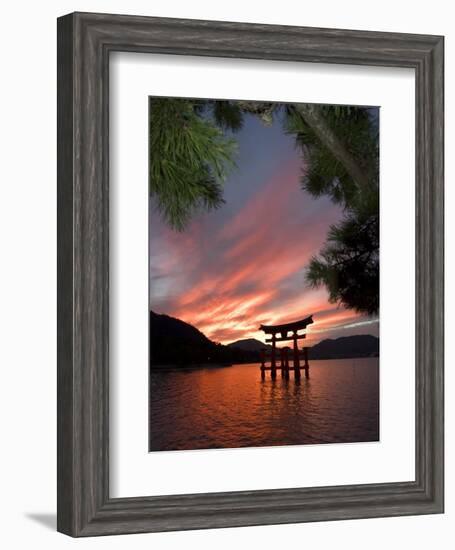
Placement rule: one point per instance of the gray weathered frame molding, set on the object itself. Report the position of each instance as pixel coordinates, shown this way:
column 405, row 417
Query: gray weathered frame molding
column 84, row 43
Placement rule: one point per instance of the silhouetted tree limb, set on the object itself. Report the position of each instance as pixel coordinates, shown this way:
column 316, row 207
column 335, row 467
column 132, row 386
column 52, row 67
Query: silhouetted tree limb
column 316, row 121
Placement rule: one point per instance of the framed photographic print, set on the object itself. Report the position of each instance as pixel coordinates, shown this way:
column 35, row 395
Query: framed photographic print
column 250, row 254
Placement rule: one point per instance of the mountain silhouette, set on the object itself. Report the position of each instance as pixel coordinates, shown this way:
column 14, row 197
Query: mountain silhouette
column 248, row 344
column 346, row 347
column 362, row 345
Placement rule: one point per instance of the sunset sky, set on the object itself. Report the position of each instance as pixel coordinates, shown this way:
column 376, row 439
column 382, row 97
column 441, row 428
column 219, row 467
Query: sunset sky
column 244, row 264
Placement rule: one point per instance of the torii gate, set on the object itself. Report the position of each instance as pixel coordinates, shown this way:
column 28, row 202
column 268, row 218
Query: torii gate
column 280, row 333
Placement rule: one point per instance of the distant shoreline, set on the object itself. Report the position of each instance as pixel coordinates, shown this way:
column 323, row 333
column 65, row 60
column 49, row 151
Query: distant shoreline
column 197, row 366
column 192, row 366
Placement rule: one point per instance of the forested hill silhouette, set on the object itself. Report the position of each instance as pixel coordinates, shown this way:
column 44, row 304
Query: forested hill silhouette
column 346, row 347
column 249, row 344
column 174, row 342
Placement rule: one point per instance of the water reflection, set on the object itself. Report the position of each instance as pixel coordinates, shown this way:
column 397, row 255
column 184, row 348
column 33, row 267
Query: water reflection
column 235, row 407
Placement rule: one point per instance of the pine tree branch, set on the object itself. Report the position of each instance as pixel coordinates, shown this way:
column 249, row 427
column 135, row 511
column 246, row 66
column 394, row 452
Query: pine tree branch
column 312, row 117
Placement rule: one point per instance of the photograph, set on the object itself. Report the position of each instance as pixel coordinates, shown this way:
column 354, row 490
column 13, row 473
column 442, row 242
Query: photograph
column 263, row 274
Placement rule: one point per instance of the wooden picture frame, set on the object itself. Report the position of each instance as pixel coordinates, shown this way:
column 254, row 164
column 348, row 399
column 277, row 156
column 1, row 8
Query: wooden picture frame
column 84, row 43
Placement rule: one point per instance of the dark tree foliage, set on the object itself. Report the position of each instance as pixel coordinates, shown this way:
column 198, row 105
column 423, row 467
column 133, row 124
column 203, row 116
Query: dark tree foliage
column 325, row 171
column 348, row 264
column 189, row 156
column 227, row 115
